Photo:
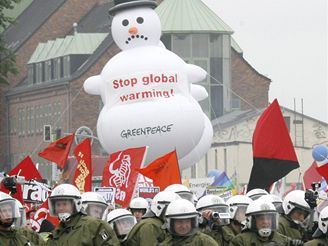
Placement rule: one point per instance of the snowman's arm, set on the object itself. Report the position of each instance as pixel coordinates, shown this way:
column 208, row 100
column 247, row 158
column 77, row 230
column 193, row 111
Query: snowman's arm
column 93, row 85
column 198, row 92
column 195, row 73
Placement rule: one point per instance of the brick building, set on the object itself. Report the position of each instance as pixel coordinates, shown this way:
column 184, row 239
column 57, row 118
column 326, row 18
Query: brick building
column 36, row 97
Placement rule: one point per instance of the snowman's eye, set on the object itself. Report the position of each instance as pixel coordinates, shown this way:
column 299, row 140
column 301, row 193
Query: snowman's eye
column 140, row 20
column 125, row 22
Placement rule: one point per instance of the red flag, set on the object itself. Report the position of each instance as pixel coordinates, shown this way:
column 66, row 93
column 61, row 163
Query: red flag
column 323, row 171
column 120, row 172
column 27, row 169
column 41, row 214
column 58, row 151
column 311, row 175
column 273, row 152
column 83, row 173
column 164, row 171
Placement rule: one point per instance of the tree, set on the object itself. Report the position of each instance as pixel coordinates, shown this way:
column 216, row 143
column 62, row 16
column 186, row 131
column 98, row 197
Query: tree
column 7, row 56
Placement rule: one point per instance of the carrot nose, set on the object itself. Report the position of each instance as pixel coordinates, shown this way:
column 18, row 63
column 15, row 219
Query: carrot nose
column 133, row 30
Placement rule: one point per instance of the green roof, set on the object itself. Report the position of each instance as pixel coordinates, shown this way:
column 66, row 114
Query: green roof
column 79, row 43
column 191, row 16
column 236, row 46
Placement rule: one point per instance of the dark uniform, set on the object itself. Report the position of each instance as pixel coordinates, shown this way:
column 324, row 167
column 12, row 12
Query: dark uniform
column 228, row 234
column 289, row 228
column 147, row 232
column 319, row 239
column 198, row 239
column 317, row 242
column 32, row 236
column 249, row 238
column 83, row 230
column 222, row 235
column 19, row 238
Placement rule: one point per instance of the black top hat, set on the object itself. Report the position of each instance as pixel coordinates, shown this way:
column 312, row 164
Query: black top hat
column 126, row 4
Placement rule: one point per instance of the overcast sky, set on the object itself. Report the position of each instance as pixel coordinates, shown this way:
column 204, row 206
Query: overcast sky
column 285, row 40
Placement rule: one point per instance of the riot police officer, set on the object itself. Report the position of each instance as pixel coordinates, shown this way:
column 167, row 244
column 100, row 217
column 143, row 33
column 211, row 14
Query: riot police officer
column 182, row 224
column 296, row 210
column 75, row 227
column 122, row 221
column 261, row 226
column 214, row 215
column 320, row 237
column 237, row 209
column 9, row 216
column 94, row 205
column 138, row 207
column 149, row 230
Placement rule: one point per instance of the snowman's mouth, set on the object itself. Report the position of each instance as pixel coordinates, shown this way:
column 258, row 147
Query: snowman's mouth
column 133, row 37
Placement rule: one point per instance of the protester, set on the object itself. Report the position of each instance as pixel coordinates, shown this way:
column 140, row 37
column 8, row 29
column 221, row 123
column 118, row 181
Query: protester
column 9, row 215
column 296, row 210
column 182, row 224
column 138, row 207
column 121, row 221
column 214, row 215
column 320, row 237
column 94, row 205
column 149, row 230
column 261, row 226
column 76, row 228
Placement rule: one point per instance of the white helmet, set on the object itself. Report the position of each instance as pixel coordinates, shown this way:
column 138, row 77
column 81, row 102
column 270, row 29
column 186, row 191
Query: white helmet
column 138, row 203
column 122, row 221
column 161, row 200
column 217, row 205
column 323, row 220
column 20, row 222
column 179, row 211
column 293, row 200
column 256, row 193
column 181, row 190
column 7, row 219
column 65, row 192
column 94, row 205
column 265, row 211
column 275, row 200
column 237, row 207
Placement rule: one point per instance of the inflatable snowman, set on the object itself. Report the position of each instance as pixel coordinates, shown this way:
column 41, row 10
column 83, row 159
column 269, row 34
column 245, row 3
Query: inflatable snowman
column 147, row 92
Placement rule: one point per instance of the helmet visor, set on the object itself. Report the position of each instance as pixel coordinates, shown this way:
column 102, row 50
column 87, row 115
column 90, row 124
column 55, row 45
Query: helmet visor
column 59, row 205
column 182, row 227
column 9, row 211
column 123, row 225
column 96, row 210
column 268, row 220
column 240, row 213
column 186, row 195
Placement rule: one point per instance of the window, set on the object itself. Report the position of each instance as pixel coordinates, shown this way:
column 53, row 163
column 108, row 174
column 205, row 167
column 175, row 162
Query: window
column 181, row 45
column 56, row 64
column 38, row 73
column 235, row 103
column 200, row 45
column 31, row 74
column 66, row 66
column 47, row 71
column 287, row 120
